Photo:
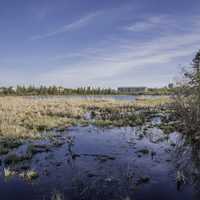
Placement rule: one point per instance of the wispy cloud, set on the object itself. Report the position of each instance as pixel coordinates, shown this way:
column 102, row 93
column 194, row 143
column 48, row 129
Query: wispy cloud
column 127, row 57
column 68, row 27
column 119, row 43
column 147, row 24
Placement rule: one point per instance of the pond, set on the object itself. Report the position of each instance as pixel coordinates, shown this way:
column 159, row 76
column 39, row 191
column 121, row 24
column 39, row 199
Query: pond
column 88, row 162
column 100, row 97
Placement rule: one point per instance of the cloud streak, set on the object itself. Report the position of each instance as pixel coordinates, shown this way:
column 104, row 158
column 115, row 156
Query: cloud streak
column 147, row 24
column 82, row 22
column 126, row 57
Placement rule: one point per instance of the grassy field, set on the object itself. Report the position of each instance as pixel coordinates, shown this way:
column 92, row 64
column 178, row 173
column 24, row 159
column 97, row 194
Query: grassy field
column 22, row 117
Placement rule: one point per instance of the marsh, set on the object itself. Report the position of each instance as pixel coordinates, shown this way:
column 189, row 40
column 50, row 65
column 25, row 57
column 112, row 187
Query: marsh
column 92, row 149
column 99, row 100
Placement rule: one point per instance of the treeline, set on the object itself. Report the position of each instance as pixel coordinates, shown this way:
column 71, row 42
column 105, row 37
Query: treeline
column 53, row 90
column 162, row 91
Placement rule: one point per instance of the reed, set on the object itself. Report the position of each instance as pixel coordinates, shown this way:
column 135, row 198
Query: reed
column 26, row 117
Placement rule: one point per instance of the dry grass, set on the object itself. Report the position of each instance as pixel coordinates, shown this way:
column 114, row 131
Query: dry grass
column 22, row 117
column 152, row 103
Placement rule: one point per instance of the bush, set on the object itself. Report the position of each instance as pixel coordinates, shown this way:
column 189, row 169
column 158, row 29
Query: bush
column 188, row 100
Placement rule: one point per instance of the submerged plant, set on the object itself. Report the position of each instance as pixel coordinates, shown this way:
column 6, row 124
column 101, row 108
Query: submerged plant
column 180, row 179
column 14, row 159
column 57, row 196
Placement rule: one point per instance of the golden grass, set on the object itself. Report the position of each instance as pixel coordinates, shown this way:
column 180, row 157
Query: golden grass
column 152, row 103
column 23, row 117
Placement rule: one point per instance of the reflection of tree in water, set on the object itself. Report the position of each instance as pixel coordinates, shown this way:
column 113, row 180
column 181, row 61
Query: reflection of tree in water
column 105, row 183
column 188, row 163
column 98, row 188
column 100, row 183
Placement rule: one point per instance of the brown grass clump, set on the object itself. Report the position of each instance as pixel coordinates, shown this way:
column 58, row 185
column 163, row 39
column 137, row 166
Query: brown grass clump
column 25, row 117
column 153, row 103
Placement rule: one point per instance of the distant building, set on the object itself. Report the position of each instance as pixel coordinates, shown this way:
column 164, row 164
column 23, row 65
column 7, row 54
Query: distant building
column 8, row 89
column 132, row 90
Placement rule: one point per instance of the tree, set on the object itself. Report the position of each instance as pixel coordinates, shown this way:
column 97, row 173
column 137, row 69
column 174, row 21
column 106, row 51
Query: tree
column 170, row 85
column 188, row 100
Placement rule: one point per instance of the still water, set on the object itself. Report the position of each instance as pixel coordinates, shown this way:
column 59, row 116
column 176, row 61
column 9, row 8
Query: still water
column 100, row 97
column 90, row 163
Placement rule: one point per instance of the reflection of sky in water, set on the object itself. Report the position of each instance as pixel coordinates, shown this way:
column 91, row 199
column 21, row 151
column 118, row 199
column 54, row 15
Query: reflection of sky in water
column 103, row 163
column 98, row 97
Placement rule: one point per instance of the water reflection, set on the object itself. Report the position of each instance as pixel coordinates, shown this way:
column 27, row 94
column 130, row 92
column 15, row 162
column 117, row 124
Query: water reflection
column 112, row 163
column 188, row 163
column 98, row 97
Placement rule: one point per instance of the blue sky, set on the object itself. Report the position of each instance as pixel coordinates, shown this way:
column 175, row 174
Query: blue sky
column 107, row 43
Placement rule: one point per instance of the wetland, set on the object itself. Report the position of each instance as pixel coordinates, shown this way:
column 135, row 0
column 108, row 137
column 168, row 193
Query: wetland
column 55, row 148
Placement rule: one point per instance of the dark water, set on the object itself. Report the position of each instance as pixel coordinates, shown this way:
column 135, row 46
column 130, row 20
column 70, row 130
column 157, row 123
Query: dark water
column 102, row 163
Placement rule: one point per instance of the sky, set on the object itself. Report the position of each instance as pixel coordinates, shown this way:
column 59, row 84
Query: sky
column 99, row 43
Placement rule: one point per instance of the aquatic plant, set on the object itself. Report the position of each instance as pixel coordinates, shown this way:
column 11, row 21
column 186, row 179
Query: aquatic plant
column 167, row 127
column 57, row 196
column 8, row 172
column 143, row 151
column 180, row 179
column 14, row 158
column 7, row 144
column 31, row 174
column 34, row 149
column 102, row 123
column 142, row 180
column 3, row 150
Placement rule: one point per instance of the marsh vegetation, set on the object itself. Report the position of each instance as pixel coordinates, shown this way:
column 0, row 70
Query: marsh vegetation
column 60, row 148
column 57, row 148
column 22, row 117
column 187, row 101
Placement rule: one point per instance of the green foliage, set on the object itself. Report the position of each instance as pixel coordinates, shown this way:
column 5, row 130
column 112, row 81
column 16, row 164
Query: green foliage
column 162, row 91
column 53, row 90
